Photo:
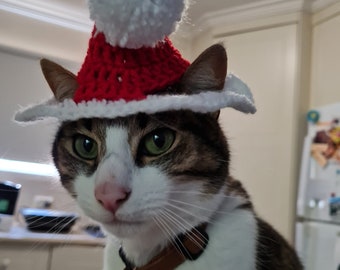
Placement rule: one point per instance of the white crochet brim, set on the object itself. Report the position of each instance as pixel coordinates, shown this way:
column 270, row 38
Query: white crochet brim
column 235, row 94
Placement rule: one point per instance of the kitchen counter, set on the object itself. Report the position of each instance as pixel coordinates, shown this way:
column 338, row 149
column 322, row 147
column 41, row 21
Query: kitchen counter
column 19, row 234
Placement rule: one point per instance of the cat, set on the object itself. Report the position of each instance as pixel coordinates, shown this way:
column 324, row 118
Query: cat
column 149, row 179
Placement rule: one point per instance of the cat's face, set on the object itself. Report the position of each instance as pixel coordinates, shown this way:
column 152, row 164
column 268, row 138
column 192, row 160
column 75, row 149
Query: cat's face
column 132, row 174
column 142, row 172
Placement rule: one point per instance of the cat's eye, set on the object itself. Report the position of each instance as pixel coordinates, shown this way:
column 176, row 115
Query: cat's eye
column 158, row 142
column 85, row 147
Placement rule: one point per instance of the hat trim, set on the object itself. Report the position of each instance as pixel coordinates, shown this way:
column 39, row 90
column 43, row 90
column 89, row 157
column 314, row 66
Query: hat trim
column 235, row 94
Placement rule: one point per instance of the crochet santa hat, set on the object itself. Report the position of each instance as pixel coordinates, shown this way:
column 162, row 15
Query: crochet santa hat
column 129, row 61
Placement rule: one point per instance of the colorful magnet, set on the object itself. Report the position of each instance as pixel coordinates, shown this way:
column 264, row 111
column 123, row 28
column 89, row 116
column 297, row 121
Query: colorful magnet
column 313, row 116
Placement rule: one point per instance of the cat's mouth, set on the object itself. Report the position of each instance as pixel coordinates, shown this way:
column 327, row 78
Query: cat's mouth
column 121, row 222
column 123, row 228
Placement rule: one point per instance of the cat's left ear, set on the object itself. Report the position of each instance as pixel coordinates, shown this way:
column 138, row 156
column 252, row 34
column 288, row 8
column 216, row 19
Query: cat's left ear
column 62, row 82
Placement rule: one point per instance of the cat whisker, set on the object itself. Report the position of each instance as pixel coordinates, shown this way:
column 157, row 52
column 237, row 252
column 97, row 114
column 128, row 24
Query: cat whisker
column 208, row 219
column 34, row 247
column 52, row 229
column 200, row 207
column 65, row 225
column 67, row 237
column 175, row 237
column 172, row 216
column 35, row 221
column 199, row 193
column 176, row 223
column 41, row 244
column 190, row 226
column 167, row 231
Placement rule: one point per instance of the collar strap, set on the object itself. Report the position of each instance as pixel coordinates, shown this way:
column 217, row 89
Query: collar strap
column 188, row 246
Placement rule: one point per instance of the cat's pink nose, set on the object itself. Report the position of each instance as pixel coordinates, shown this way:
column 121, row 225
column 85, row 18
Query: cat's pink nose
column 111, row 195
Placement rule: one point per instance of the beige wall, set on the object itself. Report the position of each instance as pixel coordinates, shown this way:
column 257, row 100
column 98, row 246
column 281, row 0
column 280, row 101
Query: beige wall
column 31, row 36
column 325, row 69
column 292, row 64
column 262, row 143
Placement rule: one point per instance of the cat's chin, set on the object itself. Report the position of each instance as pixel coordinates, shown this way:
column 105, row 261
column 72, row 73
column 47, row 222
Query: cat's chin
column 125, row 229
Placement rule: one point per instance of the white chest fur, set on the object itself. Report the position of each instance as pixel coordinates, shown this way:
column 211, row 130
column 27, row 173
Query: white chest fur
column 232, row 245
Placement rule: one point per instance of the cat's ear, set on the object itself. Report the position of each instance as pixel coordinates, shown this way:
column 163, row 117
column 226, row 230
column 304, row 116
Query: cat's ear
column 62, row 82
column 207, row 73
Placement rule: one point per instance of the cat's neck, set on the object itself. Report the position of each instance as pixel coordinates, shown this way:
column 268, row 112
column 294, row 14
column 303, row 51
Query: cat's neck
column 144, row 247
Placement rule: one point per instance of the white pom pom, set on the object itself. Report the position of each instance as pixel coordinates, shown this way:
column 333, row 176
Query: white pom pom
column 136, row 23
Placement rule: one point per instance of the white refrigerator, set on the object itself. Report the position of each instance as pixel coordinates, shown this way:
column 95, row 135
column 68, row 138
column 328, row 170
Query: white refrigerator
column 318, row 205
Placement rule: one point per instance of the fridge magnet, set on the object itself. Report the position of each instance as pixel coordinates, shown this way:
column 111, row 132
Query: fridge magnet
column 326, row 144
column 313, row 116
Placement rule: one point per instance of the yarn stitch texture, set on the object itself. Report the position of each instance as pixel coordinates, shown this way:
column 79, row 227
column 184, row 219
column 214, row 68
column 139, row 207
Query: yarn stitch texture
column 114, row 73
column 236, row 94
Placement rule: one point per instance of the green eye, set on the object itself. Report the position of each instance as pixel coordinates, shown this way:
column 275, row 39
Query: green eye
column 158, row 142
column 85, row 147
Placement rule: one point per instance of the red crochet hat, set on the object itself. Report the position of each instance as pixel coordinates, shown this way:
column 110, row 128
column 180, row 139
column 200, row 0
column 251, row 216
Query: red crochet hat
column 129, row 60
column 112, row 73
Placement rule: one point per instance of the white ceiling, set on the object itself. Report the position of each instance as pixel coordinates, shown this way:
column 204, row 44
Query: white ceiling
column 75, row 13
column 200, row 7
column 197, row 7
column 60, row 28
column 77, row 9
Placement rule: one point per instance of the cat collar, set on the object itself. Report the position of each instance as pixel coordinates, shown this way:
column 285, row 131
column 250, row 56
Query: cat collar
column 188, row 246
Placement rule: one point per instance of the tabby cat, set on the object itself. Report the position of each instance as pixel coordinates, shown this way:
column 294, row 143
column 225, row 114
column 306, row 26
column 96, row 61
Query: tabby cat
column 150, row 179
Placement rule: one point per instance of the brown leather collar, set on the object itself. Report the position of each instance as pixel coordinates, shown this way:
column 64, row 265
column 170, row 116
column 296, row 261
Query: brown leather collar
column 188, row 246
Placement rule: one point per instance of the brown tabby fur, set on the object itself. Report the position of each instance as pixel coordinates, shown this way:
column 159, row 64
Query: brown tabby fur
column 200, row 151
